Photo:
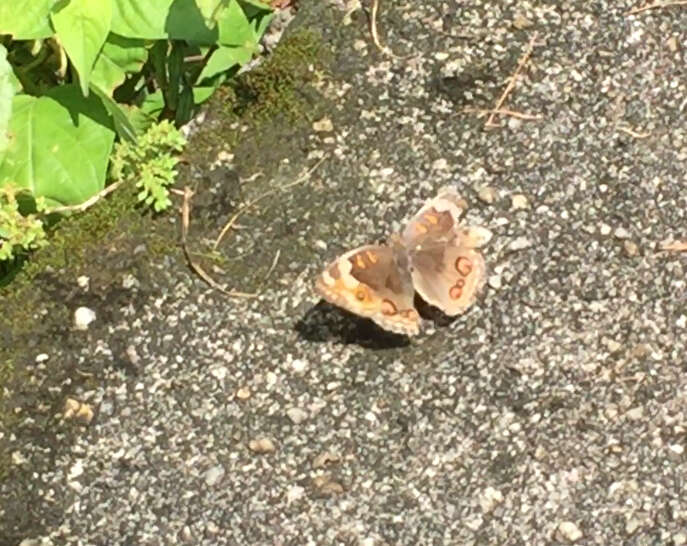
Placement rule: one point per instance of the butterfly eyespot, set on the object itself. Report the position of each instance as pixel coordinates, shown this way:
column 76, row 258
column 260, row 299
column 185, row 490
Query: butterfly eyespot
column 388, row 308
column 455, row 292
column 460, row 283
column 360, row 295
column 463, row 266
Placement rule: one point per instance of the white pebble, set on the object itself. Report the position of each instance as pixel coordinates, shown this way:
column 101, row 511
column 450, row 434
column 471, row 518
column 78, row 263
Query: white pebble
column 294, row 493
column 495, row 282
column 299, row 366
column 519, row 202
column 622, row 233
column 440, row 165
column 83, row 316
column 490, row 499
column 323, row 126
column 297, row 415
column 520, row 243
column 83, row 281
column 214, row 475
column 219, row 372
column 569, row 531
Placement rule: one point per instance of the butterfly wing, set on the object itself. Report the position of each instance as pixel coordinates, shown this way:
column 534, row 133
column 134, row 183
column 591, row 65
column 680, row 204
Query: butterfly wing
column 446, row 268
column 436, row 221
column 369, row 282
column 449, row 276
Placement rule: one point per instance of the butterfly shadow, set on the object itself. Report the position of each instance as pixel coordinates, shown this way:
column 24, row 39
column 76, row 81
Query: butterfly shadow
column 325, row 322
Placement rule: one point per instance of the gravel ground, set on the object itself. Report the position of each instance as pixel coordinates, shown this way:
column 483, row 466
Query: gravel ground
column 554, row 411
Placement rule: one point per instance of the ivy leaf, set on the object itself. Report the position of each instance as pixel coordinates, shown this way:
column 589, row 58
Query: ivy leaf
column 82, row 27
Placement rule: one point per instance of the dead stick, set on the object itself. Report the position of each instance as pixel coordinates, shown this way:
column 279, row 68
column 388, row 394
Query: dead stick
column 511, row 81
column 89, row 202
column 248, row 205
column 657, row 5
column 504, row 112
column 195, row 267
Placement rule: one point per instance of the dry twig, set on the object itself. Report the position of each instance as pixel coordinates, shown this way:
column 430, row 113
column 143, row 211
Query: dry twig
column 633, row 133
column 674, row 246
column 657, row 5
column 185, row 223
column 375, row 35
column 511, row 83
column 89, row 202
column 481, row 112
column 251, row 203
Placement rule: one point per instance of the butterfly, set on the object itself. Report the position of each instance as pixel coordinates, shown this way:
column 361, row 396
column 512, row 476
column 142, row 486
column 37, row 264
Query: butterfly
column 434, row 255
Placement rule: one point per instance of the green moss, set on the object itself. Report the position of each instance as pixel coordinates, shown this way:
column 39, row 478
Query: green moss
column 276, row 89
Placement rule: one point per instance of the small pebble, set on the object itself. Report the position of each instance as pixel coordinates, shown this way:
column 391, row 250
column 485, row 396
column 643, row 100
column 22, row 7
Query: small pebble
column 294, row 493
column 605, row 229
column 243, row 393
column 490, row 499
column 622, row 233
column 299, row 366
column 83, row 316
column 323, row 126
column 297, row 415
column 214, row 475
column 519, row 201
column 631, row 249
column 440, row 165
column 219, row 372
column 83, row 281
column 632, row 525
column 359, row 45
column 326, row 486
column 325, row 458
column 520, row 244
column 487, row 194
column 521, row 22
column 73, row 409
column 569, row 531
column 495, row 282
column 261, row 445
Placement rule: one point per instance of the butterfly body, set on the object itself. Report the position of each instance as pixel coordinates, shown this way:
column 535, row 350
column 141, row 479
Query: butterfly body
column 433, row 255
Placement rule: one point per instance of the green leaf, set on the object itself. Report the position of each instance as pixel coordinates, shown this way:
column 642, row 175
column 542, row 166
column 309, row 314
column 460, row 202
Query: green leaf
column 122, row 124
column 175, row 68
column 202, row 93
column 118, row 57
column 234, row 27
column 210, row 10
column 161, row 20
column 139, row 119
column 6, row 94
column 59, row 145
column 223, row 58
column 82, row 27
column 26, row 19
column 260, row 25
column 153, row 104
column 253, row 7
column 184, row 109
